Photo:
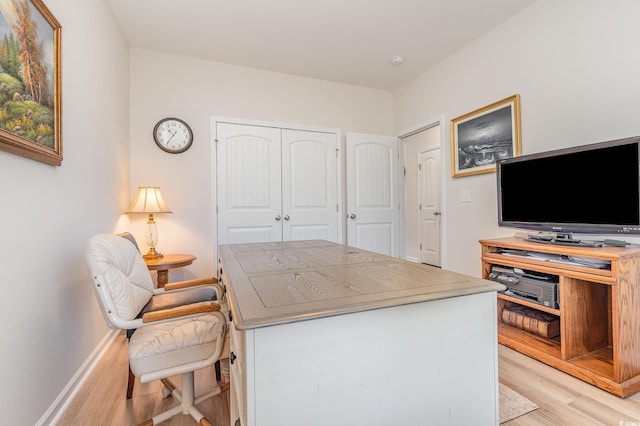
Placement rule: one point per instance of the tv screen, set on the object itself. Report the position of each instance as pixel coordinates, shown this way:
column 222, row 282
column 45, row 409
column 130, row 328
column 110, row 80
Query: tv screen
column 587, row 189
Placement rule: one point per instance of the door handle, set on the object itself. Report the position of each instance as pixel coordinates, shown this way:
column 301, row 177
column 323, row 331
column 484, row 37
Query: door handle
column 437, row 213
column 286, row 217
column 278, row 217
column 352, row 216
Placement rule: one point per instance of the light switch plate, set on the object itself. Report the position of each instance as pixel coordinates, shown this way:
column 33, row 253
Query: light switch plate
column 465, row 195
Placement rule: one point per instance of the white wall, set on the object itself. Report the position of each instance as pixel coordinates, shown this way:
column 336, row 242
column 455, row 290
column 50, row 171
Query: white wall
column 575, row 64
column 49, row 316
column 194, row 90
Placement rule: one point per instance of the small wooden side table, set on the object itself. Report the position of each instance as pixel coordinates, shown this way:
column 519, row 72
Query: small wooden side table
column 166, row 262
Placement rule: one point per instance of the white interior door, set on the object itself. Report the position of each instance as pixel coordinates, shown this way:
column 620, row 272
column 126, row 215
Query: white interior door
column 430, row 212
column 248, row 166
column 422, row 196
column 372, row 193
column 309, row 185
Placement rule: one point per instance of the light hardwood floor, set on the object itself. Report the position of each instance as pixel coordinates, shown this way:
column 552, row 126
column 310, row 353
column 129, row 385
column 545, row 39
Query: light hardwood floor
column 102, row 401
column 563, row 400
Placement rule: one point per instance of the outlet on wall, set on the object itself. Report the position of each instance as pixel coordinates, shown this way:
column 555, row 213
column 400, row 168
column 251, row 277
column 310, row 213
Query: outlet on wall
column 465, row 195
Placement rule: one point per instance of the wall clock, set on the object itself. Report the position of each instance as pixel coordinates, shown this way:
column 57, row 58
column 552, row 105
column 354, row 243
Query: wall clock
column 173, row 135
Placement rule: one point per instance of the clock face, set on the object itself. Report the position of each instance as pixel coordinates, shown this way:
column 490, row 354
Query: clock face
column 173, row 135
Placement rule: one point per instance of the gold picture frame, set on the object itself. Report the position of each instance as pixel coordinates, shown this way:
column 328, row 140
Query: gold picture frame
column 482, row 137
column 30, row 81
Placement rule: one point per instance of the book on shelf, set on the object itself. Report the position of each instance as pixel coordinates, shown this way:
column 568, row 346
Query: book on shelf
column 531, row 320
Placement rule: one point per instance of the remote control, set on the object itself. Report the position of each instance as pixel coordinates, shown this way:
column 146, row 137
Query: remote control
column 616, row 243
column 541, row 237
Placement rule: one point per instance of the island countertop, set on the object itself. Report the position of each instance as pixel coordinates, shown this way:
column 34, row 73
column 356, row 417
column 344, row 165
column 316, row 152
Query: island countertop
column 277, row 283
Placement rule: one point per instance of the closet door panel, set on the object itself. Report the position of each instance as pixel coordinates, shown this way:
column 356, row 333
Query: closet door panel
column 248, row 182
column 372, row 193
column 309, row 185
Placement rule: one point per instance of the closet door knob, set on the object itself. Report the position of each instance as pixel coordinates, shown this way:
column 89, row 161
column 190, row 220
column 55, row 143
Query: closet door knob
column 278, row 217
column 352, row 216
column 286, row 217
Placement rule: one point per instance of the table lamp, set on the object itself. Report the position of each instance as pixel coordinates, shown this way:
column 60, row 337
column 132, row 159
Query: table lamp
column 149, row 200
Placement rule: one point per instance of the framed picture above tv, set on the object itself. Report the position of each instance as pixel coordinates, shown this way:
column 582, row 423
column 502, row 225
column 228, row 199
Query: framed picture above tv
column 482, row 137
column 30, row 80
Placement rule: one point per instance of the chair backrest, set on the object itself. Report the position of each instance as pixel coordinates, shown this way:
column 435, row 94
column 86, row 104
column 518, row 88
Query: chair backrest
column 129, row 236
column 121, row 279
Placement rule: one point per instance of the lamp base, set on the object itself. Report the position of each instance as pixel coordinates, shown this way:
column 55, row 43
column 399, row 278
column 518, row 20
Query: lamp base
column 152, row 254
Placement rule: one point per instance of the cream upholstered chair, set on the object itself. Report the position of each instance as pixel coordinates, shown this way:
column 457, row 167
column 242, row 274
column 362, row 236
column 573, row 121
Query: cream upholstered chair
column 191, row 291
column 167, row 342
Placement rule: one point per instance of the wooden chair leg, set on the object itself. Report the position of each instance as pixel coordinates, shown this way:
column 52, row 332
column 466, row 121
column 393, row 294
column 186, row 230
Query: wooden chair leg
column 218, row 372
column 130, row 383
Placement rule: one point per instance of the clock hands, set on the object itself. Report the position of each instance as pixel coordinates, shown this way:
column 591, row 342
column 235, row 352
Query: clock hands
column 172, row 135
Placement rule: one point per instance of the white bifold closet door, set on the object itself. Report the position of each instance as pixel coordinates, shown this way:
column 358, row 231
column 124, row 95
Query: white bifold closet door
column 275, row 184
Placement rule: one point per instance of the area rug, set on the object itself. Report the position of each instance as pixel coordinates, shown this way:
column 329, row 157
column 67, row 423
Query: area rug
column 513, row 405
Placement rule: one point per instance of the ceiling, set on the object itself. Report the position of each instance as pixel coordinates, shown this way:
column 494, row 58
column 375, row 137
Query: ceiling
column 345, row 41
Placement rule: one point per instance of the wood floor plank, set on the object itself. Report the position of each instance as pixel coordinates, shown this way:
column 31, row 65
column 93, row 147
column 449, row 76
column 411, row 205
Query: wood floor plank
column 563, row 399
column 101, row 400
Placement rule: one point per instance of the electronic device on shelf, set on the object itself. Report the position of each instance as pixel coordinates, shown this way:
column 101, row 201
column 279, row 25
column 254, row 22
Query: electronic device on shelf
column 588, row 262
column 589, row 189
column 533, row 286
column 564, row 241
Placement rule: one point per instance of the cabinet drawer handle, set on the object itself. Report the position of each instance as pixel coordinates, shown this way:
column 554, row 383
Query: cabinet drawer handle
column 232, row 357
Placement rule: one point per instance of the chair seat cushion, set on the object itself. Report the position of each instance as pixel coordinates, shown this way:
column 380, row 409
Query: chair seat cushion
column 166, row 345
column 177, row 298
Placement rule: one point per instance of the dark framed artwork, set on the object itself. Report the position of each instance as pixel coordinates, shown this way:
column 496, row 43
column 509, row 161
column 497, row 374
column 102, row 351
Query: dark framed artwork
column 30, row 81
column 482, row 137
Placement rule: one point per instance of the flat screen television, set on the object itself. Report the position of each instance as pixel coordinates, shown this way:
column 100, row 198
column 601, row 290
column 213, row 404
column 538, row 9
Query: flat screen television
column 589, row 189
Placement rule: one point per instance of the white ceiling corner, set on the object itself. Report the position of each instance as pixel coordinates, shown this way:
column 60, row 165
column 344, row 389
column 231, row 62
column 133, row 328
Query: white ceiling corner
column 345, row 41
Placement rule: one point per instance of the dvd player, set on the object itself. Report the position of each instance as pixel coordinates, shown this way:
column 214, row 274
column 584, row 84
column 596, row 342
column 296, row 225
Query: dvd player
column 536, row 287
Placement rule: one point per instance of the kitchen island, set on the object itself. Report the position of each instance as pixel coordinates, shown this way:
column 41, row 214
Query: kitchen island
column 327, row 334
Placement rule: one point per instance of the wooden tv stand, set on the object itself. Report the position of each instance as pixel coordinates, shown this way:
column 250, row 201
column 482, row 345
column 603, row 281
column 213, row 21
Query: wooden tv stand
column 599, row 311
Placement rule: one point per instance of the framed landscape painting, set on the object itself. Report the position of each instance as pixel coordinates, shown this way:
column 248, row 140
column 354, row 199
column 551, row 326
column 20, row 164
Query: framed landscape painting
column 482, row 137
column 30, row 80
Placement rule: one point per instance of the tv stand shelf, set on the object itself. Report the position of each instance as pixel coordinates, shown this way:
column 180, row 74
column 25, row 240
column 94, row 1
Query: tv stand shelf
column 599, row 311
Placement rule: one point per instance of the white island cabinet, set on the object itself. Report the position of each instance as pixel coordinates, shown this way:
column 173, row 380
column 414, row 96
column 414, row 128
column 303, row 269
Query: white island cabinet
column 326, row 334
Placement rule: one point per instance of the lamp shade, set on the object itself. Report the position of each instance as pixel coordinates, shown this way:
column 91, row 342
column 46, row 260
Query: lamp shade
column 149, row 200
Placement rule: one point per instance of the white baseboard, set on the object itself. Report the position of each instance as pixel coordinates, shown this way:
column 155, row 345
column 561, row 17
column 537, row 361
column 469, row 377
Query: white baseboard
column 412, row 259
column 61, row 403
